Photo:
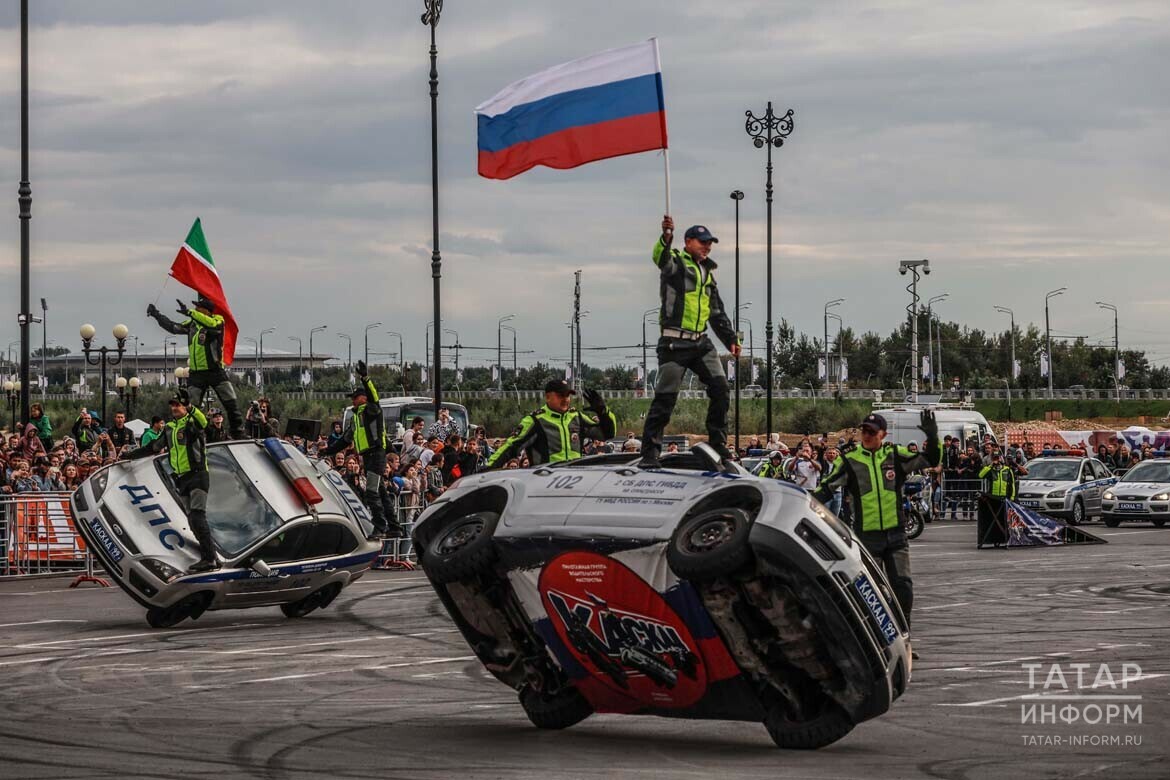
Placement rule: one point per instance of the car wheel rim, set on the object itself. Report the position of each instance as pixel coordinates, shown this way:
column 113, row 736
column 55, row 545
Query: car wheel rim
column 710, row 534
column 460, row 536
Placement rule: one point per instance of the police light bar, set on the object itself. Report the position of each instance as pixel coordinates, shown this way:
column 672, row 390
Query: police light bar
column 302, row 483
column 1060, row 453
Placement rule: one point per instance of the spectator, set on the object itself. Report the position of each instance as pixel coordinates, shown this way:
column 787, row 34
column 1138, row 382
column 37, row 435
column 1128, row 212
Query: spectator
column 37, row 416
column 153, row 432
column 31, row 447
column 831, row 455
column 261, row 422
column 452, row 449
column 631, row 439
column 85, row 431
column 335, row 434
column 72, row 477
column 434, row 478
column 355, row 475
column 49, row 479
column 672, row 447
column 806, row 471
column 444, row 426
column 22, row 479
column 415, row 430
column 339, row 461
column 215, row 430
column 413, row 447
column 120, row 435
column 469, row 459
column 433, row 446
column 485, row 450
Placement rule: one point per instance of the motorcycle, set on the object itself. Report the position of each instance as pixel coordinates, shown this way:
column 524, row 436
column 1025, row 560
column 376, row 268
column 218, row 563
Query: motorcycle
column 916, row 504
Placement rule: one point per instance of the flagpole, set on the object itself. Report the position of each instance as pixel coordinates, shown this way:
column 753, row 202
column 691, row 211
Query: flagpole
column 665, row 150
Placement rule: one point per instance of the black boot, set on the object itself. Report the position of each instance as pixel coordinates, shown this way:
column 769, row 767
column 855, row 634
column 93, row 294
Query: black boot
column 197, row 518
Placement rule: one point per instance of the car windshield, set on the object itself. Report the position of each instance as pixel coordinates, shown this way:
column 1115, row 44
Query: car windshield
column 1055, row 470
column 236, row 511
column 427, row 412
column 1150, row 471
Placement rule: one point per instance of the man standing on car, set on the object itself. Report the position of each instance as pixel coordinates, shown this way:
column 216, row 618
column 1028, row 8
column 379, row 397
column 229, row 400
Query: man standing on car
column 553, row 433
column 999, row 486
column 690, row 300
column 872, row 476
column 366, row 430
column 204, row 331
column 186, row 445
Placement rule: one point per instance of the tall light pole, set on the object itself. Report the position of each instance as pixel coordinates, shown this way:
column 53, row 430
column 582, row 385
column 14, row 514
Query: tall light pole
column 935, row 368
column 24, row 200
column 349, row 353
column 829, row 305
column 366, row 356
column 1048, row 334
column 401, row 356
column 311, row 332
column 515, row 366
column 174, row 354
column 300, row 363
column 430, row 17
column 769, row 130
column 1012, row 365
column 428, row 346
column 1116, row 350
column 646, row 368
column 500, row 350
column 840, row 351
column 45, row 349
column 457, row 345
column 262, row 378
column 255, row 351
column 737, row 196
column 904, row 267
column 751, row 341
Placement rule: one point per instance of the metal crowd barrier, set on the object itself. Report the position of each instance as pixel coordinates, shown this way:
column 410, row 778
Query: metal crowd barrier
column 398, row 553
column 37, row 536
column 959, row 499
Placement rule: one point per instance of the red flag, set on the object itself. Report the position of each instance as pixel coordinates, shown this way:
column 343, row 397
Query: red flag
column 194, row 267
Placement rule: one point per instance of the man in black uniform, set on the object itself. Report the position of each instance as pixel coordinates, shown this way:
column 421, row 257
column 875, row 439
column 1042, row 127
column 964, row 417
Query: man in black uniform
column 554, row 432
column 366, row 431
column 186, row 446
column 690, row 300
column 204, row 331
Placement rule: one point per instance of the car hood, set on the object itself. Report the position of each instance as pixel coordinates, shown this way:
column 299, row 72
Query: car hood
column 144, row 516
column 1144, row 489
column 1046, row 484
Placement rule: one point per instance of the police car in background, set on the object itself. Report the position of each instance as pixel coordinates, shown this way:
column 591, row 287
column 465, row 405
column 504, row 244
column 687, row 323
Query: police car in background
column 1069, row 486
column 1142, row 495
column 289, row 534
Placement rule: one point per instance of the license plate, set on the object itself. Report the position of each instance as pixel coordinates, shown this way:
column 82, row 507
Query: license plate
column 104, row 539
column 869, row 595
column 1030, row 503
column 1131, row 506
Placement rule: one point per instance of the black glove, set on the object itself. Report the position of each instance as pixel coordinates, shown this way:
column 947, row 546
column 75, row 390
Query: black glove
column 184, row 309
column 594, row 401
column 151, row 310
column 361, row 370
column 928, row 425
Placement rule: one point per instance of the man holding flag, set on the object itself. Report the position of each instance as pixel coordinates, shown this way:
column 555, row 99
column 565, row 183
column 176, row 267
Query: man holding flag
column 210, row 327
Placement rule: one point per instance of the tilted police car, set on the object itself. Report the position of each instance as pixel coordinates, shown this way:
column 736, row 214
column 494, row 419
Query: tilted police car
column 289, row 534
column 1142, row 495
column 1068, row 487
column 593, row 586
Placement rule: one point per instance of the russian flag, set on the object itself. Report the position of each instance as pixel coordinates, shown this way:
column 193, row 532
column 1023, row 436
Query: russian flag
column 603, row 105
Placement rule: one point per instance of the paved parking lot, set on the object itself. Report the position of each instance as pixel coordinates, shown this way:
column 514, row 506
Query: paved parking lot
column 379, row 685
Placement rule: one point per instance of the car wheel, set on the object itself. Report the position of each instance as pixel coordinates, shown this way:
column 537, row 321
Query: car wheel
column 462, row 548
column 1160, row 523
column 559, row 711
column 1078, row 513
column 711, row 545
column 318, row 599
column 825, row 728
column 1111, row 521
column 165, row 617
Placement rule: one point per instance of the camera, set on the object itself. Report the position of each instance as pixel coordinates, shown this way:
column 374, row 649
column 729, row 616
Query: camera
column 254, row 407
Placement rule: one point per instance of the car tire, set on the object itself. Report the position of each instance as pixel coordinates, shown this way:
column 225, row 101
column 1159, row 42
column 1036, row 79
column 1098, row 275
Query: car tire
column 711, row 545
column 1078, row 513
column 1159, row 523
column 1111, row 521
column 462, row 549
column 318, row 599
column 165, row 617
column 559, row 711
column 828, row 726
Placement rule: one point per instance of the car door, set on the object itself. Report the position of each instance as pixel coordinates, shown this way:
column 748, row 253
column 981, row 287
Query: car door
column 281, row 551
column 322, row 553
column 1092, row 489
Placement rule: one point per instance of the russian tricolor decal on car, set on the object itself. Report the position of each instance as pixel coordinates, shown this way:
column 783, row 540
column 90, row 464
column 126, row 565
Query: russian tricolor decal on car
column 636, row 649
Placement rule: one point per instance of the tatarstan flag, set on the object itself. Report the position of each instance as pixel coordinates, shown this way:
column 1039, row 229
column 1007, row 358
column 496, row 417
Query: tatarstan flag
column 194, row 267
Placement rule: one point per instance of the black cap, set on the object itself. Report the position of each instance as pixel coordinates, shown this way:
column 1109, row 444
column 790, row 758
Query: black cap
column 700, row 232
column 203, row 302
column 874, row 421
column 559, row 386
column 359, row 391
column 996, row 455
column 775, row 454
column 180, row 397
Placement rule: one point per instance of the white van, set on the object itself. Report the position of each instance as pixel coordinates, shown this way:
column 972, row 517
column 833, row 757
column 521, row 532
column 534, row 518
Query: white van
column 959, row 420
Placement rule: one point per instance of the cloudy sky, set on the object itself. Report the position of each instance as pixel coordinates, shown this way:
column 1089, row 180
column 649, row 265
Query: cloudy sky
column 1019, row 146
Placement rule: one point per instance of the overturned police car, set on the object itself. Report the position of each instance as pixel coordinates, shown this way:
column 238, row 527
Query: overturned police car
column 288, row 534
column 594, row 586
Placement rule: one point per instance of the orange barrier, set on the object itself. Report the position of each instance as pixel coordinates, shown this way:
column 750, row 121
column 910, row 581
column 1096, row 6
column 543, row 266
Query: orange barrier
column 37, row 535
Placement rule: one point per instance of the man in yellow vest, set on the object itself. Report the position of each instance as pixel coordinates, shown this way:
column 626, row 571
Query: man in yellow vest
column 555, row 431
column 366, row 432
column 690, row 301
column 185, row 442
column 204, row 331
column 872, row 475
column 774, row 468
column 999, row 486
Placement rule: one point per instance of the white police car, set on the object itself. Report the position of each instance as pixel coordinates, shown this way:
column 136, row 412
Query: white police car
column 289, row 534
column 1142, row 495
column 1069, row 487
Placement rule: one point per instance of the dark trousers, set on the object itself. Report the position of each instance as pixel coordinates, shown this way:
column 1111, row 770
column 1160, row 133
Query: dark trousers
column 193, row 487
column 892, row 551
column 675, row 357
column 374, row 463
column 200, row 382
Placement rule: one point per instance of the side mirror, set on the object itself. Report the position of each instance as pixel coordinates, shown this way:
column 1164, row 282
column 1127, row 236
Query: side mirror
column 261, row 568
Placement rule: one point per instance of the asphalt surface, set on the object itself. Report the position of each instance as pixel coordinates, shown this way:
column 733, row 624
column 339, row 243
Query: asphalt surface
column 379, row 685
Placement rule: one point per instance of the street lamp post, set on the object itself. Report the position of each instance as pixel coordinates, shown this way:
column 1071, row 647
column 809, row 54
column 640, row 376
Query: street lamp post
column 300, row 363
column 646, row 368
column 456, row 346
column 45, row 348
column 103, row 356
column 366, row 356
column 128, row 392
column 769, row 130
column 904, row 267
column 935, row 368
column 24, row 200
column 262, row 334
column 401, row 356
column 500, row 350
column 1116, row 350
column 349, row 353
column 1012, row 365
column 751, row 342
column 840, row 352
column 311, row 332
column 1048, row 334
column 12, row 390
column 829, row 305
column 255, row 353
column 737, row 196
column 430, row 17
column 515, row 371
column 182, row 374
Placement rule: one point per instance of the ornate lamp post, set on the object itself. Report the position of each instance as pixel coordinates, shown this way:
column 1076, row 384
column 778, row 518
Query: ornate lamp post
column 128, row 392
column 24, row 200
column 905, row 267
column 181, row 374
column 769, row 130
column 430, row 17
column 103, row 356
column 12, row 390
